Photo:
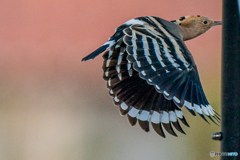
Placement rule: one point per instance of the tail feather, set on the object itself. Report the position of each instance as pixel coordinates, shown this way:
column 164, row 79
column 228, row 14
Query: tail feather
column 111, row 41
column 97, row 52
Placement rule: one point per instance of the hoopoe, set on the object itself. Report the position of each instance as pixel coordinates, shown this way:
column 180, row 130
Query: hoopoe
column 151, row 74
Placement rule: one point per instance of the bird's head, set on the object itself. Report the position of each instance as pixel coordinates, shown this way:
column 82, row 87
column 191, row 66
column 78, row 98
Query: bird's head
column 194, row 26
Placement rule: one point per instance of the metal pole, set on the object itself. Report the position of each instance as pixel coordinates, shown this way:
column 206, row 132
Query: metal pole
column 231, row 79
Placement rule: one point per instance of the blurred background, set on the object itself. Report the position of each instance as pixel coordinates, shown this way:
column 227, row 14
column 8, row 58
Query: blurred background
column 55, row 107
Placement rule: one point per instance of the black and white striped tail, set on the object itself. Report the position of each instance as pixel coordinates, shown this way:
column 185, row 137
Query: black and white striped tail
column 97, row 52
column 112, row 40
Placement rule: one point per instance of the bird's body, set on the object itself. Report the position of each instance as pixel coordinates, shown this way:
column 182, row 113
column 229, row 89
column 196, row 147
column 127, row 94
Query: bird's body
column 151, row 74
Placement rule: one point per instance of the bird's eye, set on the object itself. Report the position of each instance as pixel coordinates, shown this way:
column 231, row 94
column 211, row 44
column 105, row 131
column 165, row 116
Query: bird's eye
column 205, row 22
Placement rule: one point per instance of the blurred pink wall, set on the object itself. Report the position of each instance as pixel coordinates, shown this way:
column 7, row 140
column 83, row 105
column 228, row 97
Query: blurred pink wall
column 45, row 35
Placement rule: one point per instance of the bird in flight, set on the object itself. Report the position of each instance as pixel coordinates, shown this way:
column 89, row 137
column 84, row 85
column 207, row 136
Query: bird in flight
column 151, row 74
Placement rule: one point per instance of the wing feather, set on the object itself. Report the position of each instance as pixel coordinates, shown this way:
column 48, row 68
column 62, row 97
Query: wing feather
column 151, row 75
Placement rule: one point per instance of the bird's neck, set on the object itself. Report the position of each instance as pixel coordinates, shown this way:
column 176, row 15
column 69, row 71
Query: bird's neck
column 190, row 32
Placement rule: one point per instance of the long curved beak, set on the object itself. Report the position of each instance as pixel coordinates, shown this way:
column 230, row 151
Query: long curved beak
column 217, row 23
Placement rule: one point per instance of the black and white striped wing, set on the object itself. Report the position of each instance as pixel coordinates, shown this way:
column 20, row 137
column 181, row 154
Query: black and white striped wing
column 163, row 61
column 135, row 97
column 151, row 75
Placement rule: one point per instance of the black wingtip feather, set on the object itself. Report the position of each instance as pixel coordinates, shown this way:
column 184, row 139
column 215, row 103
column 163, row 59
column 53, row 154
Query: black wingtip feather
column 132, row 120
column 178, row 127
column 214, row 121
column 191, row 111
column 123, row 112
column 219, row 118
column 158, row 129
column 169, row 129
column 144, row 125
column 217, row 113
column 183, row 120
column 204, row 118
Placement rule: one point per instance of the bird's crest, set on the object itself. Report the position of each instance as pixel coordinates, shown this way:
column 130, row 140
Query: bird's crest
column 195, row 25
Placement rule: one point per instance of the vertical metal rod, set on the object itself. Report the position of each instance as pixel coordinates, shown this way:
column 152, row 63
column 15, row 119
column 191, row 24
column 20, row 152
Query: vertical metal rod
column 231, row 79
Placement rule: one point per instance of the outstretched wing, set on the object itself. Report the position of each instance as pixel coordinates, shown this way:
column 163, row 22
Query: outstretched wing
column 135, row 97
column 152, row 75
column 164, row 61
